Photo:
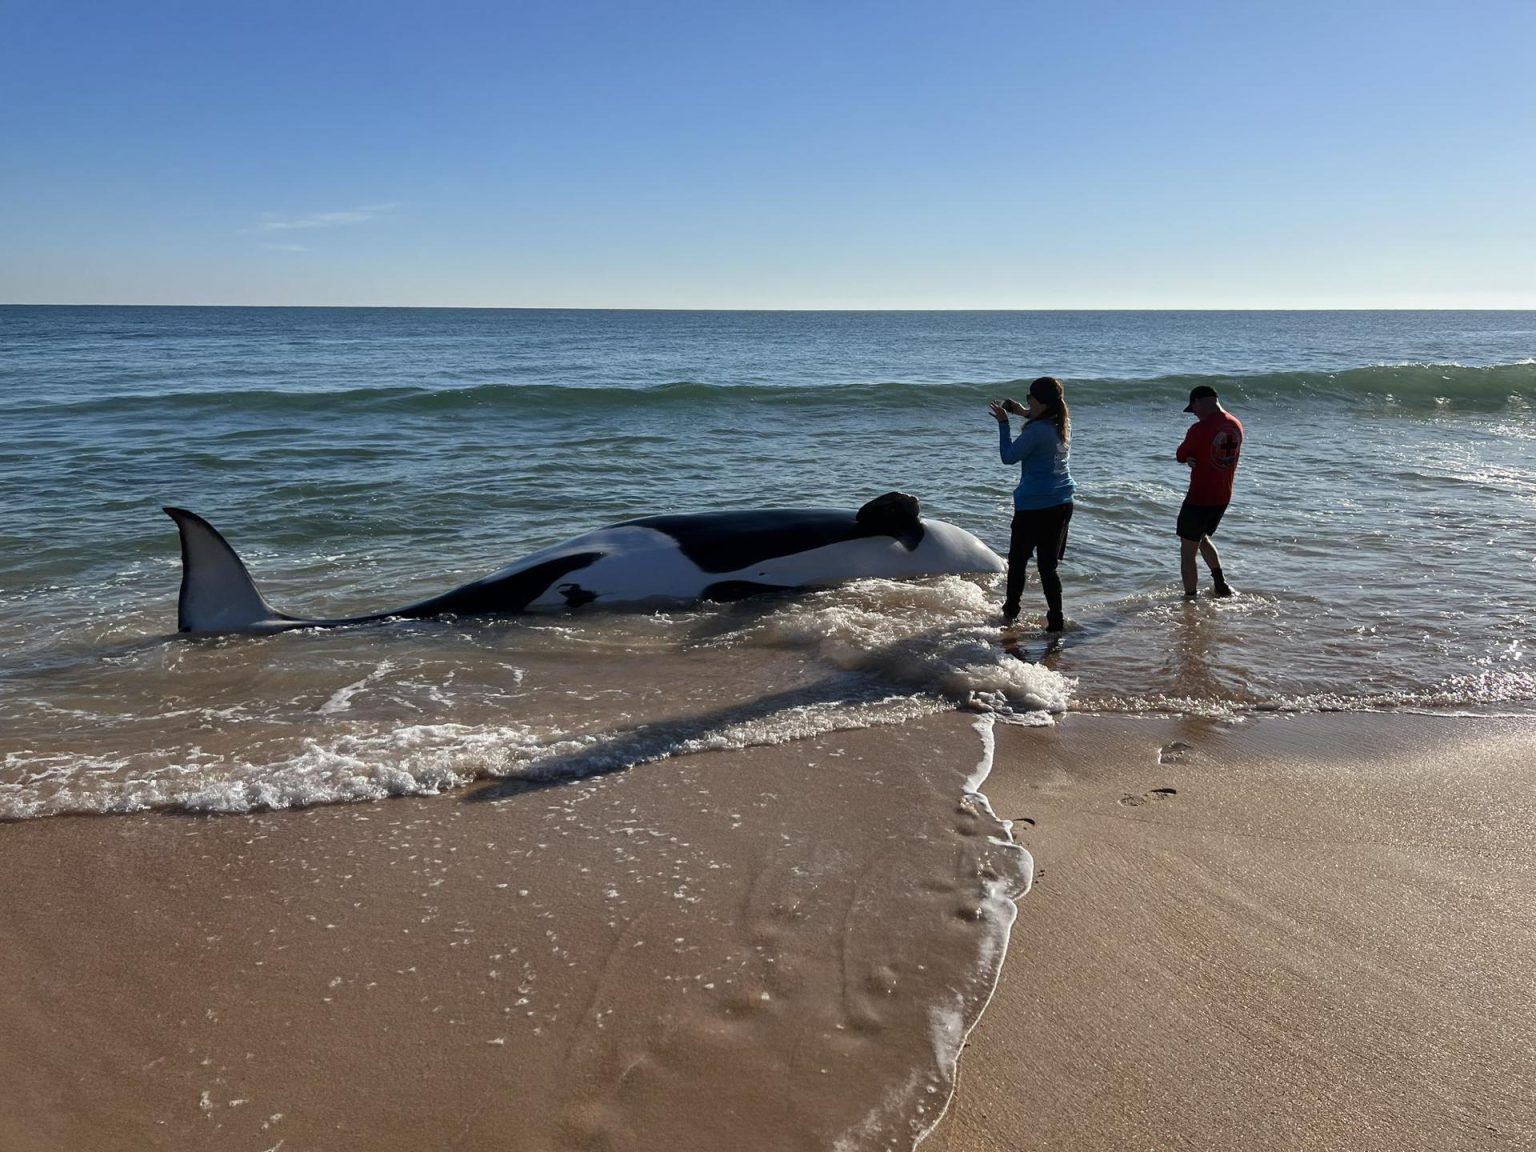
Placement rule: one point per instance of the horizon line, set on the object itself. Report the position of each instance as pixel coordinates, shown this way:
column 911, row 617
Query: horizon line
column 647, row 308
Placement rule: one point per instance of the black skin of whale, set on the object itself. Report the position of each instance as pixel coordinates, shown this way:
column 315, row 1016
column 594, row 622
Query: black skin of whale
column 713, row 541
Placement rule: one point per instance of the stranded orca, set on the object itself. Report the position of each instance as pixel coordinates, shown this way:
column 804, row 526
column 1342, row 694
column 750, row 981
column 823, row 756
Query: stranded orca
column 702, row 556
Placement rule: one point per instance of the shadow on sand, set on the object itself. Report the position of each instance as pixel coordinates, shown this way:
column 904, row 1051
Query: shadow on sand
column 711, row 730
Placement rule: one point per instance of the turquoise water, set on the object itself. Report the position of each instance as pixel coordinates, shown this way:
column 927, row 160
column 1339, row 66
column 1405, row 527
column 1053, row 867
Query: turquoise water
column 1382, row 534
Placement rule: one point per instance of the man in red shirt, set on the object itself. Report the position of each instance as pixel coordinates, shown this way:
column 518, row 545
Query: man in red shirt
column 1210, row 448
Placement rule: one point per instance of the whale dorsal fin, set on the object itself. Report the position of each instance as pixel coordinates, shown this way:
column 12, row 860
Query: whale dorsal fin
column 896, row 514
column 217, row 593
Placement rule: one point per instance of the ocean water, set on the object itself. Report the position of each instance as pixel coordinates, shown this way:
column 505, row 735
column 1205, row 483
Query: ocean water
column 1382, row 534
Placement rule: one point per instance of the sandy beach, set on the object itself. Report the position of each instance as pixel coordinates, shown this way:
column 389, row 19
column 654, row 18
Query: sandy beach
column 1310, row 932
column 776, row 948
column 1295, row 932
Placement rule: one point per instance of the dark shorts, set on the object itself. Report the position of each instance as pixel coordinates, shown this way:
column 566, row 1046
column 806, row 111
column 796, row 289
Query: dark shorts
column 1197, row 521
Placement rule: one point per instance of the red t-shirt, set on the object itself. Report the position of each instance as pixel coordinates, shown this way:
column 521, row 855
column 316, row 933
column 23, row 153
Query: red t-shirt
column 1213, row 446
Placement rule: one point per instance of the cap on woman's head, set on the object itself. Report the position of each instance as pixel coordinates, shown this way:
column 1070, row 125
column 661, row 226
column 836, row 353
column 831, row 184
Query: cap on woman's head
column 1199, row 392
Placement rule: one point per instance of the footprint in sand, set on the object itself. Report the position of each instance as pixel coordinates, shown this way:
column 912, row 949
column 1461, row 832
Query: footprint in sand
column 1131, row 801
column 1173, row 753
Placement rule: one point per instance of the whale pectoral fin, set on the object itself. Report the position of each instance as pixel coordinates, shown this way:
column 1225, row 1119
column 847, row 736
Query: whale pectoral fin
column 726, row 591
column 217, row 593
column 575, row 595
column 501, row 594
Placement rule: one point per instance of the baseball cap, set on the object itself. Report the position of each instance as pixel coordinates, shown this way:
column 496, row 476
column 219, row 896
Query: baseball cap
column 1199, row 392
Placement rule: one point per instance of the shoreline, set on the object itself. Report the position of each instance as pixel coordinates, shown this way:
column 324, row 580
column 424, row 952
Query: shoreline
column 1298, row 932
column 1292, row 932
column 800, row 935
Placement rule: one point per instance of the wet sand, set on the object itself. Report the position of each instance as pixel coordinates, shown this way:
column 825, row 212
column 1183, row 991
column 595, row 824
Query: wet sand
column 1311, row 932
column 769, row 949
column 1297, row 933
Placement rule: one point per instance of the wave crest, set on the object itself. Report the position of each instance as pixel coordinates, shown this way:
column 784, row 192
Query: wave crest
column 1408, row 385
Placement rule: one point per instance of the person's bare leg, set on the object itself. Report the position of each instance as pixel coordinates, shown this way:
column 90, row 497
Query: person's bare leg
column 1187, row 550
column 1213, row 562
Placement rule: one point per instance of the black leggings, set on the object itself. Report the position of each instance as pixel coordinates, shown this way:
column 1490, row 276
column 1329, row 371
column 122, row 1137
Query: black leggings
column 1043, row 532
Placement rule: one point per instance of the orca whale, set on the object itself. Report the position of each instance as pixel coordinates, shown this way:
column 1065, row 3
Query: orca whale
column 695, row 556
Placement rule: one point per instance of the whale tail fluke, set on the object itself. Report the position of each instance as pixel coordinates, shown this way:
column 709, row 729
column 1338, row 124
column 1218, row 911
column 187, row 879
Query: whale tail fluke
column 217, row 593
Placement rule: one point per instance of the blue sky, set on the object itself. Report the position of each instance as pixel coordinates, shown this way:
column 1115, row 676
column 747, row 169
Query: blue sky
column 788, row 155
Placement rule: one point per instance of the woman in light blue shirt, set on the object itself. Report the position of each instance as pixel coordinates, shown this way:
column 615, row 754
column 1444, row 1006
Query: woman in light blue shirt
column 1042, row 502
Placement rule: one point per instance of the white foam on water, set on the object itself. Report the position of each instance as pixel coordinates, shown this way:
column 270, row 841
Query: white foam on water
column 781, row 725
column 948, row 1030
column 420, row 759
column 378, row 759
column 341, row 699
column 927, row 636
column 365, row 715
column 1007, row 877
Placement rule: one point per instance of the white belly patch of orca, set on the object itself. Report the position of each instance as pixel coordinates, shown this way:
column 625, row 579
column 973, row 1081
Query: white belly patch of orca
column 697, row 556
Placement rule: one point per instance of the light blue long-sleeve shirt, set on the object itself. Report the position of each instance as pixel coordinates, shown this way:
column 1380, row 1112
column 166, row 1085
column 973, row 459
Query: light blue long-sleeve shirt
column 1042, row 457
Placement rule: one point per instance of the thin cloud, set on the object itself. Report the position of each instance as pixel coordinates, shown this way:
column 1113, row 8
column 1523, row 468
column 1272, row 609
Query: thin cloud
column 325, row 219
column 286, row 247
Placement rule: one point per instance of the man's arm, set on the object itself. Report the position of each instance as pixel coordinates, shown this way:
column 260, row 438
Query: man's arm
column 1186, row 451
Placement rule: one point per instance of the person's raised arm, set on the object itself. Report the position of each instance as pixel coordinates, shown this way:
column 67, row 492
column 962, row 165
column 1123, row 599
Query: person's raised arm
column 1012, row 451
